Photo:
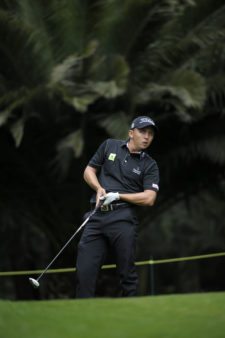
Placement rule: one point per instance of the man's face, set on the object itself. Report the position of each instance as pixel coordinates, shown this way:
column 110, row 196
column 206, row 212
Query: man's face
column 141, row 138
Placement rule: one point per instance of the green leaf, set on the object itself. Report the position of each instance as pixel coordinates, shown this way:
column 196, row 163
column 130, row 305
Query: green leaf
column 184, row 89
column 4, row 115
column 116, row 125
column 17, row 131
column 81, row 103
column 73, row 141
column 192, row 87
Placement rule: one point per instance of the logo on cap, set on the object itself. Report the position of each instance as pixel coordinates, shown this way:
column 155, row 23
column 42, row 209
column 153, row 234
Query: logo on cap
column 142, row 121
column 146, row 120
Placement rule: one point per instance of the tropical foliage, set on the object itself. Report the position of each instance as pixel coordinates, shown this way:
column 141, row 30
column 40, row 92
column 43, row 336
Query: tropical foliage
column 73, row 72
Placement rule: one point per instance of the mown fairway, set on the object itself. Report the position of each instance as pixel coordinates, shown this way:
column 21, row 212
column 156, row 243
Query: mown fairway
column 177, row 316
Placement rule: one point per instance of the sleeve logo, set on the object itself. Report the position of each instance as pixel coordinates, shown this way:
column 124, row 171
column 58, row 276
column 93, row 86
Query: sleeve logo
column 112, row 157
column 154, row 185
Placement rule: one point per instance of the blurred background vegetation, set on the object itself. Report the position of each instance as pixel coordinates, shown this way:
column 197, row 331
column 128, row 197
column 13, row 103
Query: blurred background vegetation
column 74, row 72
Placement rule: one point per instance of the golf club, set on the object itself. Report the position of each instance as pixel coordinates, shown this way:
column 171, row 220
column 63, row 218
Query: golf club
column 35, row 282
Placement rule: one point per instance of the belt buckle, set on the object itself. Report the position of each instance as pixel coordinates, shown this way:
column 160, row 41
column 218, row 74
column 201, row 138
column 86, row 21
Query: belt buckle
column 104, row 207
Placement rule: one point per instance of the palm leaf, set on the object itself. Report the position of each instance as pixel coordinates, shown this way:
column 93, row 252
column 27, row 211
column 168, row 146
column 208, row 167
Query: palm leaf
column 185, row 90
column 116, row 125
column 132, row 19
column 17, row 39
column 67, row 148
column 73, row 141
column 216, row 93
column 81, row 79
column 17, row 131
column 70, row 25
column 176, row 46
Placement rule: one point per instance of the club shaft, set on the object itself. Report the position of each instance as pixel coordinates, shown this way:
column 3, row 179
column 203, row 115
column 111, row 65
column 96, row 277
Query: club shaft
column 65, row 245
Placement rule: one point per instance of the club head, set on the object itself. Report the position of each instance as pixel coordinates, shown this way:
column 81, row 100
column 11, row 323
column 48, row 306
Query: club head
column 34, row 282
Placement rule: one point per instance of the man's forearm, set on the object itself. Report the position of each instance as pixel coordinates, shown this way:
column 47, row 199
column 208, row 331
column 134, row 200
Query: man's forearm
column 145, row 198
column 91, row 178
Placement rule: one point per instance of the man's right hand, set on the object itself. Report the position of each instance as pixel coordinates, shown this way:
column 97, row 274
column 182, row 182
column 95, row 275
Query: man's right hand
column 100, row 195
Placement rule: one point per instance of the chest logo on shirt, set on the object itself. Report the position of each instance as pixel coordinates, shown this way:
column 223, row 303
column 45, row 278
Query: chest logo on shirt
column 137, row 171
column 112, row 157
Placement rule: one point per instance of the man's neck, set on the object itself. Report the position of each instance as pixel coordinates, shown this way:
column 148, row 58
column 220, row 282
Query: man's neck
column 132, row 148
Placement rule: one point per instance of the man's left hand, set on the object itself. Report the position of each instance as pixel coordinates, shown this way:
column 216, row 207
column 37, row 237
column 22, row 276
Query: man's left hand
column 110, row 197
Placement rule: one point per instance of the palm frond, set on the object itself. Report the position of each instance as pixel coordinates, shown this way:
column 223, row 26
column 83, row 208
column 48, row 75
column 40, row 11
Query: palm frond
column 67, row 148
column 185, row 91
column 4, row 116
column 70, row 26
column 21, row 49
column 132, row 19
column 17, row 131
column 116, row 125
column 216, row 93
column 81, row 79
column 11, row 101
column 176, row 46
column 33, row 15
column 73, row 141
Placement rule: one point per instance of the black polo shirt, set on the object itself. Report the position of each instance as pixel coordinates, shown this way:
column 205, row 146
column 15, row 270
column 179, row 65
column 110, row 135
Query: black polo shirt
column 122, row 171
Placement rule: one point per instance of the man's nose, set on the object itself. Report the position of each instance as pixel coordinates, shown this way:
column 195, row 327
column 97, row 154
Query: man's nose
column 146, row 134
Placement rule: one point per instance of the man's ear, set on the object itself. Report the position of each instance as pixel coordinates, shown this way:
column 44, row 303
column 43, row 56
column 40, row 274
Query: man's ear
column 131, row 132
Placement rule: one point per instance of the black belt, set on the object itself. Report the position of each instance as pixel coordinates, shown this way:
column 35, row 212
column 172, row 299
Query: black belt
column 114, row 206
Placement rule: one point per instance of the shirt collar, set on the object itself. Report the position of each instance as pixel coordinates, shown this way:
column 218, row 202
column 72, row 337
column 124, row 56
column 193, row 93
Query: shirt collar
column 141, row 154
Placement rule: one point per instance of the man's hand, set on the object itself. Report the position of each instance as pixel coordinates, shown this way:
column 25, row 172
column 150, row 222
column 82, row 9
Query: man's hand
column 110, row 197
column 101, row 193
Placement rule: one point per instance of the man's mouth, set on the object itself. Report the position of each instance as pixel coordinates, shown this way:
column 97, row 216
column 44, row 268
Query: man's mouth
column 145, row 144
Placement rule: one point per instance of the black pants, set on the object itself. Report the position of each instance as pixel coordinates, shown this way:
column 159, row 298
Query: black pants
column 116, row 228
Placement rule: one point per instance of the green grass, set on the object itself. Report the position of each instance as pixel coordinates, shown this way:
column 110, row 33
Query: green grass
column 177, row 316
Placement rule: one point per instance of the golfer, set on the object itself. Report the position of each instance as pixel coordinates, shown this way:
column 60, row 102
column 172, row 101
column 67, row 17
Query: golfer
column 122, row 175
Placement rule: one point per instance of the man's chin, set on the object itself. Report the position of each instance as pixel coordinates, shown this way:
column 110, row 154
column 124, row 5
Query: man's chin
column 144, row 146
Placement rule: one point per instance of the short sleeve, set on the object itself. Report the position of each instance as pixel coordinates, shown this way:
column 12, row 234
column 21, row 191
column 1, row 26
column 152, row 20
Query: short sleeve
column 151, row 177
column 98, row 158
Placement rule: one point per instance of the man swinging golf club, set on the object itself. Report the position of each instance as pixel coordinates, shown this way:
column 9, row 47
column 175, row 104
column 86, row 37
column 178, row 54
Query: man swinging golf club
column 35, row 282
column 123, row 175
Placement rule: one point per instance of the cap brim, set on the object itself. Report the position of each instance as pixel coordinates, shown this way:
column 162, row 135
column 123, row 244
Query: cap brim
column 145, row 125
